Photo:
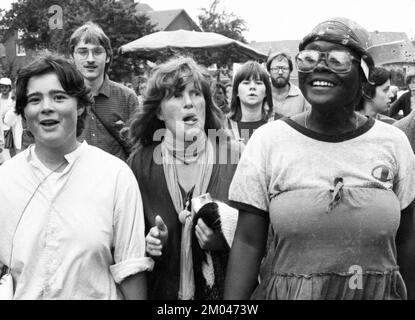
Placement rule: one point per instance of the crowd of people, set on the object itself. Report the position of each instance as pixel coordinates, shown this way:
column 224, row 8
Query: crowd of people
column 193, row 189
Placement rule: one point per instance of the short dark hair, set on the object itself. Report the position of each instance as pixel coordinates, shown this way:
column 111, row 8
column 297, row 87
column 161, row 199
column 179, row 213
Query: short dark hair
column 248, row 70
column 91, row 33
column 70, row 78
column 377, row 77
column 166, row 79
column 279, row 55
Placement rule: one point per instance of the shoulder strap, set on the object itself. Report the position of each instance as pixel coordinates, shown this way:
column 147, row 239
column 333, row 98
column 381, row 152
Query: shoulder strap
column 111, row 132
column 234, row 127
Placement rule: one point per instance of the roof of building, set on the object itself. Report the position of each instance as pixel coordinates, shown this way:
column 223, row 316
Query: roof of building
column 164, row 18
column 143, row 7
column 288, row 46
column 401, row 51
column 379, row 37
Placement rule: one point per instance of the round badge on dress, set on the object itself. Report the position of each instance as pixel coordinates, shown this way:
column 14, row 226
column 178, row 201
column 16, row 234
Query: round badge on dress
column 382, row 173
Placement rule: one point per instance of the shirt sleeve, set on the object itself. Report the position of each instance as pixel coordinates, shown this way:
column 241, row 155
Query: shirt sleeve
column 404, row 184
column 129, row 239
column 249, row 187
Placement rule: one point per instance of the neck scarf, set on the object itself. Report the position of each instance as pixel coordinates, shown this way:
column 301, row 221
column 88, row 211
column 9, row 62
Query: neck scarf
column 176, row 147
column 205, row 158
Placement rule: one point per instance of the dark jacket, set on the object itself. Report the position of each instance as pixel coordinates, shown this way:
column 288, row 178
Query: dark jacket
column 163, row 281
column 402, row 103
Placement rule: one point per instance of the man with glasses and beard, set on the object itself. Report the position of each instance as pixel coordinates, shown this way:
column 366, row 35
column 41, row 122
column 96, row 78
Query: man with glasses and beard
column 114, row 103
column 287, row 97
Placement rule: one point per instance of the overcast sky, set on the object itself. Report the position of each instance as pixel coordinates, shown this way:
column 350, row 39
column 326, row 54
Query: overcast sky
column 270, row 20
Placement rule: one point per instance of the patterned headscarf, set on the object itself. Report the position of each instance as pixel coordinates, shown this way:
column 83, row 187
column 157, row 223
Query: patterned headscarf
column 345, row 32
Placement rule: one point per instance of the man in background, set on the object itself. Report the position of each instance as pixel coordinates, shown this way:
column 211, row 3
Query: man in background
column 287, row 97
column 114, row 103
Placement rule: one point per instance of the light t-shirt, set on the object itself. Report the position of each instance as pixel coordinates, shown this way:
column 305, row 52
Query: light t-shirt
column 279, row 158
column 322, row 228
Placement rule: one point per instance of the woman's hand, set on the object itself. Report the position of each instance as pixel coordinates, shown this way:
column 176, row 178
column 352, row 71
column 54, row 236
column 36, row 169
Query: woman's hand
column 157, row 237
column 207, row 238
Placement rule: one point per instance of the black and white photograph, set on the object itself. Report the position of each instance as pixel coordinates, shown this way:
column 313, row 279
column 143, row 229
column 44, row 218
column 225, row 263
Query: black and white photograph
column 208, row 155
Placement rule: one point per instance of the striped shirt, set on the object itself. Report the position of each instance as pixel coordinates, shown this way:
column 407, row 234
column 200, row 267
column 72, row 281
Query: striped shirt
column 115, row 104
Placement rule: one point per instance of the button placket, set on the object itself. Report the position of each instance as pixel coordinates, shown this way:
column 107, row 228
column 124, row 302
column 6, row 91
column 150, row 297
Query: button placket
column 51, row 248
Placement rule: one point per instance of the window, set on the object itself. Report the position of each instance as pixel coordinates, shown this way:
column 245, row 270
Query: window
column 20, row 49
column 19, row 34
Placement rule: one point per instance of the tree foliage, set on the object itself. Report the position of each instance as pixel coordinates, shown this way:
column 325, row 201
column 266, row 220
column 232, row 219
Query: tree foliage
column 118, row 20
column 222, row 22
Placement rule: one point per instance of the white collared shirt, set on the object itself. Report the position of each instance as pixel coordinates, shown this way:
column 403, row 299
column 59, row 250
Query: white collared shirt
column 82, row 232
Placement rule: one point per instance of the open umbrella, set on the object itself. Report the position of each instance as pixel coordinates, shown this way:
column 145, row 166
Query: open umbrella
column 206, row 47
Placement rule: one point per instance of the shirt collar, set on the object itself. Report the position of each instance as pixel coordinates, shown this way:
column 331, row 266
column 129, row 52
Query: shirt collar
column 74, row 155
column 70, row 157
column 105, row 88
column 294, row 90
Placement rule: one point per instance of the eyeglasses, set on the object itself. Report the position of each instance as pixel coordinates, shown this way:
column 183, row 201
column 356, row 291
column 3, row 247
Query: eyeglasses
column 83, row 53
column 283, row 69
column 336, row 60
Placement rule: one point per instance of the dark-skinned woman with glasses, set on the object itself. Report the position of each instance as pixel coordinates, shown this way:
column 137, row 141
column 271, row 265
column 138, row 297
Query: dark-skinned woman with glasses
column 336, row 186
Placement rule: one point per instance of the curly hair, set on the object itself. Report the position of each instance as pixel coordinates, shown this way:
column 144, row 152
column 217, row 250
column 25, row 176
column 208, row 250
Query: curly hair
column 167, row 79
column 69, row 77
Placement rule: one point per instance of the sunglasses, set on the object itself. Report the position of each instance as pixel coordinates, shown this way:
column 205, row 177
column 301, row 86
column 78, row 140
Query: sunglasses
column 336, row 60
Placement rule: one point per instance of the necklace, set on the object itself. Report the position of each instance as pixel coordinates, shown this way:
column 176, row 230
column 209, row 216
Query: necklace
column 309, row 111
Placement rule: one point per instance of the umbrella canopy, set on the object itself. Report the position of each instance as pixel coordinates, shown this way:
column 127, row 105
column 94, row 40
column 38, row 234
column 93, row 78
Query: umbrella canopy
column 206, row 47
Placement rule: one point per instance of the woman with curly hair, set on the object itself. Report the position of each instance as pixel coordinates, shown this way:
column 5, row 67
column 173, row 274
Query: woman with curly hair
column 180, row 153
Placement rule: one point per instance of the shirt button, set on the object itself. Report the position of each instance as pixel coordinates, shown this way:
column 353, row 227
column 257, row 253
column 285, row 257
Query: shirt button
column 92, row 118
column 93, row 134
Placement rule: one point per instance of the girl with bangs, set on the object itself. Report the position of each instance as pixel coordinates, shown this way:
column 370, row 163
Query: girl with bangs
column 251, row 104
column 175, row 162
